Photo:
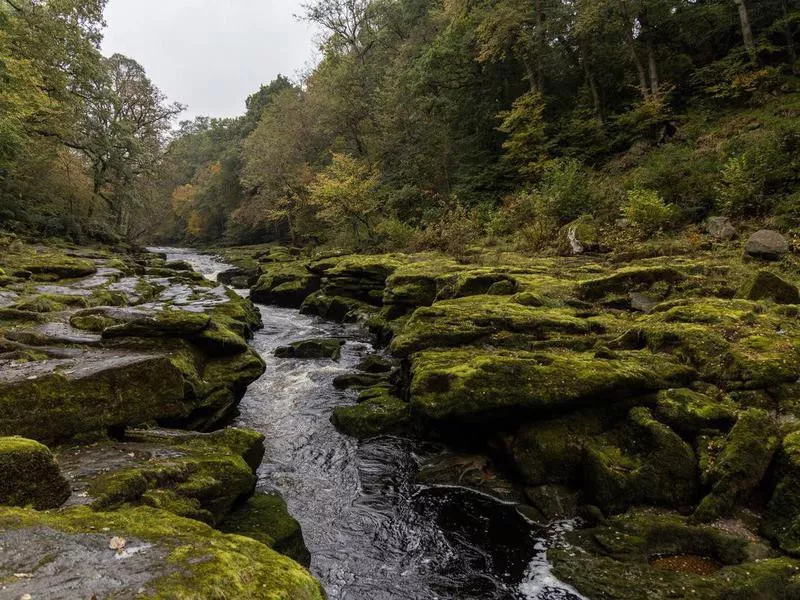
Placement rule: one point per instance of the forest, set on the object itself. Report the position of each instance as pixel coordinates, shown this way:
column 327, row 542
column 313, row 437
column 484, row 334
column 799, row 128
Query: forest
column 426, row 124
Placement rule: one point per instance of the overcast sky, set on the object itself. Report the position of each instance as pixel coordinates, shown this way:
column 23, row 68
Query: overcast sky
column 211, row 54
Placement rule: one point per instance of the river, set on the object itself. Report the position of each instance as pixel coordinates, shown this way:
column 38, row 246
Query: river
column 373, row 533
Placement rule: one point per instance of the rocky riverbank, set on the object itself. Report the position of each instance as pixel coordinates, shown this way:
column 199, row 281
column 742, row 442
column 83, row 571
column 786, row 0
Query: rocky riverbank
column 653, row 396
column 118, row 370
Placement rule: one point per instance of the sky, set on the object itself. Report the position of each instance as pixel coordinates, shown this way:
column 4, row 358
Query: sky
column 211, row 54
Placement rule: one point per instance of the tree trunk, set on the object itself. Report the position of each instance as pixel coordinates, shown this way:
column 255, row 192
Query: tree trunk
column 643, row 88
column 539, row 44
column 747, row 30
column 591, row 83
column 651, row 60
column 789, row 36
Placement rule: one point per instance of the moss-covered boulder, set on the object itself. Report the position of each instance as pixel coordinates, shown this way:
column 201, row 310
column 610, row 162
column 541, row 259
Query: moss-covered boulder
column 666, row 557
column 334, row 308
column 578, row 237
column 742, row 464
column 782, row 520
column 766, row 285
column 192, row 475
column 141, row 552
column 473, row 384
column 285, row 284
column 57, row 265
column 30, row 475
column 59, row 398
column 689, row 412
column 486, row 319
column 629, row 279
column 379, row 415
column 265, row 518
column 642, row 462
column 316, row 348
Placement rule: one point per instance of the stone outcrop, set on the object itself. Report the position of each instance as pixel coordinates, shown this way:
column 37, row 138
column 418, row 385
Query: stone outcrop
column 767, row 244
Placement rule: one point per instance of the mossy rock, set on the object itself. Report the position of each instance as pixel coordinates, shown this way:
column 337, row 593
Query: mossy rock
column 265, row 518
column 60, row 398
column 30, row 475
column 735, row 344
column 644, row 462
column 58, row 265
column 782, row 518
column 742, row 464
column 285, row 284
column 380, row 415
column 359, row 380
column 551, row 452
column 333, row 308
column 712, row 564
column 165, row 557
column 194, row 485
column 310, row 349
column 578, row 237
column 475, row 283
column 478, row 319
column 690, row 412
column 765, row 285
column 473, row 384
column 631, row 279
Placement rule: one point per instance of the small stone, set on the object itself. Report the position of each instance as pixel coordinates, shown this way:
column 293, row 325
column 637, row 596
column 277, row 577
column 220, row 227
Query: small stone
column 767, row 244
column 117, row 543
column 720, row 228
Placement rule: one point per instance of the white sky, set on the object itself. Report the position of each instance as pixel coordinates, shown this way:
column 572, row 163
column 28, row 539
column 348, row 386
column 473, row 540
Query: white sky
column 211, row 54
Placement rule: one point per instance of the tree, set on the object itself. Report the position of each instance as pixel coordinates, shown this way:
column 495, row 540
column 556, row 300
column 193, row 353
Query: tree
column 122, row 133
column 346, row 195
column 747, row 31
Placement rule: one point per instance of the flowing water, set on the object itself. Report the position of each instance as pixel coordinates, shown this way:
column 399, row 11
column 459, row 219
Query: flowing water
column 373, row 533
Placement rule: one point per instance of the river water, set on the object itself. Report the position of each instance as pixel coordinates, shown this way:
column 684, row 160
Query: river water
column 373, row 533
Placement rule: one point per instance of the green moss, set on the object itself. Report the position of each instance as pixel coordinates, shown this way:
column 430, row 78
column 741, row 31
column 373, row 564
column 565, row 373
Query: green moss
column 630, row 279
column 30, row 475
column 742, row 464
column 266, row 518
column 474, row 384
column 782, row 519
column 201, row 562
column 380, row 415
column 690, row 412
column 603, row 561
column 202, row 478
column 644, row 462
column 765, row 285
column 119, row 390
column 285, row 284
column 318, row 348
column 57, row 265
column 486, row 319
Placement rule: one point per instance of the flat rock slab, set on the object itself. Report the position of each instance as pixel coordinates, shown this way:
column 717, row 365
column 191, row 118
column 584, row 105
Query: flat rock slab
column 78, row 565
column 59, row 398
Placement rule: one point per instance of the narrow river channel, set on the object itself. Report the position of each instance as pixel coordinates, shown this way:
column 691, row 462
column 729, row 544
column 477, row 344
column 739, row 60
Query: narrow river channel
column 373, row 533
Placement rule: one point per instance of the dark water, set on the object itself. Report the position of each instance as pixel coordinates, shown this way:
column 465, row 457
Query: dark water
column 373, row 533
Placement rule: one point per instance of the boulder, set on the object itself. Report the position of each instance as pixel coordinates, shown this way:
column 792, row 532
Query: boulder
column 720, row 228
column 381, row 415
column 578, row 237
column 374, row 363
column 630, row 279
column 316, row 348
column 30, row 475
column 767, row 244
column 782, row 519
column 768, row 286
column 742, row 464
column 474, row 384
column 139, row 552
column 265, row 518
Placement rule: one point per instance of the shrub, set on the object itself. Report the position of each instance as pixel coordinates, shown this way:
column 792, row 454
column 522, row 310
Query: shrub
column 454, row 231
column 740, row 193
column 564, row 191
column 647, row 210
column 394, row 235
